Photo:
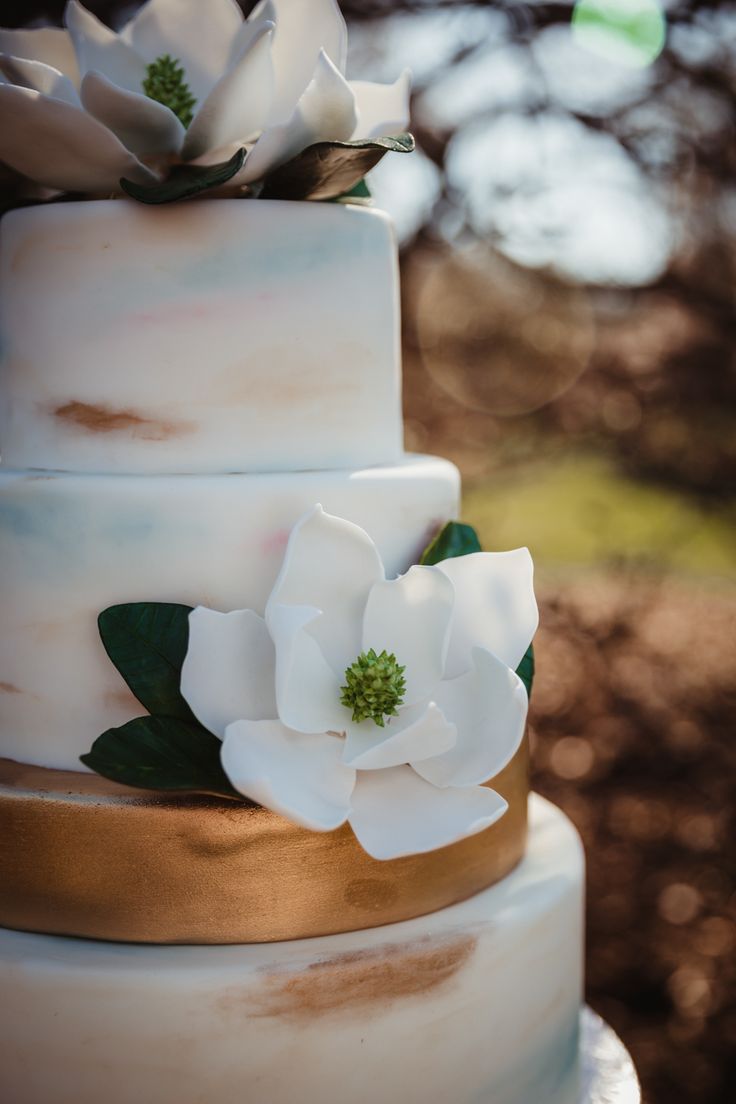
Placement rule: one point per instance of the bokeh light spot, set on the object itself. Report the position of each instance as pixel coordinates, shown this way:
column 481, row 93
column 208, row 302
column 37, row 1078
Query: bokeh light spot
column 629, row 32
column 571, row 757
column 679, row 903
column 690, row 990
column 716, row 937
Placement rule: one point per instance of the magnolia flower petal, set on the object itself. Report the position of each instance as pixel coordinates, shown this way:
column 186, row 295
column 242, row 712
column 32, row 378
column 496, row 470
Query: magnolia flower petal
column 300, row 777
column 216, row 157
column 382, row 108
column 307, row 688
column 144, row 126
column 229, row 669
column 395, row 813
column 302, row 32
column 331, row 565
column 198, row 34
column 410, row 617
column 50, row 45
column 39, row 76
column 99, row 48
column 495, row 607
column 238, row 105
column 262, row 14
column 62, row 147
column 488, row 706
column 325, row 113
column 369, row 747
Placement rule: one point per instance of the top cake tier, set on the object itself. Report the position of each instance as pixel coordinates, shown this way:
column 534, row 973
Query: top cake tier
column 208, row 336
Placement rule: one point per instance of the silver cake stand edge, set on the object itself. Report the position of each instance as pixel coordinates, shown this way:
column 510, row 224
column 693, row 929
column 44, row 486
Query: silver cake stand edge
column 607, row 1071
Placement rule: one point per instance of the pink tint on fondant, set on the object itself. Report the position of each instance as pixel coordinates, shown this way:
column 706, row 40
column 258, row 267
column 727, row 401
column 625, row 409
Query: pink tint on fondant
column 275, row 543
column 221, row 309
column 170, row 313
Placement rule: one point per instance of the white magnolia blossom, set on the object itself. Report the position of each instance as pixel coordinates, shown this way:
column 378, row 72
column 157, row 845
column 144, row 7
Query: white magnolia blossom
column 270, row 688
column 76, row 118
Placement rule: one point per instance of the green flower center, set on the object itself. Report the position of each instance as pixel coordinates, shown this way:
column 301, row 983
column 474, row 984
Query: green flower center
column 165, row 82
column 374, row 687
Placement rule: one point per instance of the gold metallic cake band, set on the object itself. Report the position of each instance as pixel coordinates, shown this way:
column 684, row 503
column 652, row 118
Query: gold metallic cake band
column 86, row 857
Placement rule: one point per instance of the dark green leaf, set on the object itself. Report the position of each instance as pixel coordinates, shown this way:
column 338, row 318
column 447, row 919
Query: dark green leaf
column 525, row 670
column 360, row 193
column 455, row 539
column 147, row 642
column 185, row 181
column 161, row 753
column 329, row 169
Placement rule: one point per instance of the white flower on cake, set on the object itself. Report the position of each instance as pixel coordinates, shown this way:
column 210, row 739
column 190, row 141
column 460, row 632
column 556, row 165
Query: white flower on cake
column 384, row 703
column 185, row 81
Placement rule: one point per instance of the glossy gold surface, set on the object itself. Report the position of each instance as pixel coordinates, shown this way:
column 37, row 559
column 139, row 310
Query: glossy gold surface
column 83, row 856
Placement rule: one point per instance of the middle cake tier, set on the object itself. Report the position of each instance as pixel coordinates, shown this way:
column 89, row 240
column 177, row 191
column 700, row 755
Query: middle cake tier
column 73, row 544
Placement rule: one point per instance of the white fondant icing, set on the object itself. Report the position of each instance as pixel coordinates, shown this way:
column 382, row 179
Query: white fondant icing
column 476, row 1004
column 221, row 335
column 72, row 545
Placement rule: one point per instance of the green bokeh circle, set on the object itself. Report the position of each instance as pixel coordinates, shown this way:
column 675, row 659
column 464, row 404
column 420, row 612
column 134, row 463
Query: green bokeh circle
column 630, row 32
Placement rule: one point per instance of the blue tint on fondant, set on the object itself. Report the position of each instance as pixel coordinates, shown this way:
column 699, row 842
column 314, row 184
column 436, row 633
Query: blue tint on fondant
column 548, row 1077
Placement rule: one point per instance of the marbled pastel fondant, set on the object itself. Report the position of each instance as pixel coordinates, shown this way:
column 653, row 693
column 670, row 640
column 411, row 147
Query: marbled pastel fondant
column 476, row 1004
column 179, row 386
column 71, row 545
column 214, row 336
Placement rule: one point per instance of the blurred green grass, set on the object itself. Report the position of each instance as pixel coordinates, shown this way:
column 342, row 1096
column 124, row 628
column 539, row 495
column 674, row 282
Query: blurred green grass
column 580, row 511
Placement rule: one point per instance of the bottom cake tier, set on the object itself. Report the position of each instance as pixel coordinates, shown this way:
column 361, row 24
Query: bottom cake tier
column 476, row 1003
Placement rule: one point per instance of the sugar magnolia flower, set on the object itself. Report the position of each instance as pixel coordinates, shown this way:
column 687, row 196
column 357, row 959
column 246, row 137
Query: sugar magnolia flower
column 81, row 105
column 384, row 703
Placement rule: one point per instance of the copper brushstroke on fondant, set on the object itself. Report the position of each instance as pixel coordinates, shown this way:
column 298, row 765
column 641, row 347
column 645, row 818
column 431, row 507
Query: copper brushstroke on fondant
column 83, row 856
column 246, row 381
column 96, row 418
column 367, row 980
column 10, row 688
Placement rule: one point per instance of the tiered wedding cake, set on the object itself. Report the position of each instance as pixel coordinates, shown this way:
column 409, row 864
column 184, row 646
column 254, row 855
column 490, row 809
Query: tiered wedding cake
column 200, row 428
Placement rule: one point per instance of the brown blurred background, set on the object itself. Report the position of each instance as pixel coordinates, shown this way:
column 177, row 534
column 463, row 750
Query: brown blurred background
column 568, row 233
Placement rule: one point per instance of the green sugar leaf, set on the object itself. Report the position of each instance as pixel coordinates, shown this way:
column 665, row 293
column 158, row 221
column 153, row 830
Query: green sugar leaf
column 147, row 642
column 358, row 191
column 525, row 670
column 455, row 539
column 161, row 753
column 327, row 170
column 185, row 181
column 360, row 194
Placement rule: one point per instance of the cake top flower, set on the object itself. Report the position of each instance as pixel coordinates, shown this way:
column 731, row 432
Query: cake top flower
column 187, row 88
